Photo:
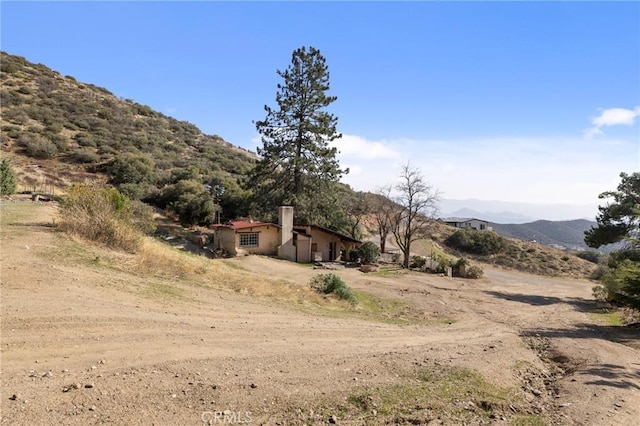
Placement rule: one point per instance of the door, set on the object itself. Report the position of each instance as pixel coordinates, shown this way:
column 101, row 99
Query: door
column 332, row 251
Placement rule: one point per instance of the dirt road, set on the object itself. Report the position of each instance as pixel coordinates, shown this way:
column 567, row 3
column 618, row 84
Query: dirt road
column 84, row 344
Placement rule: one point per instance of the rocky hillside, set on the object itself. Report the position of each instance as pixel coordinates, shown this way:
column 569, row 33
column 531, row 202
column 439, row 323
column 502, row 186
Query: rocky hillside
column 69, row 128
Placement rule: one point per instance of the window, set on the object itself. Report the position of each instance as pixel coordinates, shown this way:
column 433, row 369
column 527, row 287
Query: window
column 249, row 239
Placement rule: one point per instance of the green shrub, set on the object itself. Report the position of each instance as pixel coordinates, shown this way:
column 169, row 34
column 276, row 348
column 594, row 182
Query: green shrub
column 589, row 255
column 60, row 141
column 16, row 116
column 12, row 132
column 622, row 284
column 461, row 262
column 8, row 182
column 477, row 242
column 474, row 272
column 463, row 265
column 85, row 139
column 135, row 191
column 600, row 293
column 190, row 201
column 105, row 216
column 38, row 147
column 132, row 168
column 444, row 261
column 458, row 266
column 368, row 253
column 418, row 262
column 599, row 272
column 331, row 283
column 86, row 156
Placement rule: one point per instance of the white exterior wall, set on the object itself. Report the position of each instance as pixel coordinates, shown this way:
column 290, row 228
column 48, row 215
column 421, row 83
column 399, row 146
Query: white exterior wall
column 476, row 224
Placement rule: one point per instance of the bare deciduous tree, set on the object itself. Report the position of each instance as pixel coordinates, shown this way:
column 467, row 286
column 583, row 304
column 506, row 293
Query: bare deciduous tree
column 355, row 206
column 383, row 209
column 416, row 203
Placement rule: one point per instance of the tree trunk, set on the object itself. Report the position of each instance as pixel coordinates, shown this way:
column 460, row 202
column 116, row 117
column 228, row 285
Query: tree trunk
column 297, row 174
column 383, row 241
column 407, row 255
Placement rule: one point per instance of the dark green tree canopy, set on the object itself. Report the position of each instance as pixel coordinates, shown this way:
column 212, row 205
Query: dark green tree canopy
column 297, row 165
column 190, row 201
column 620, row 219
column 132, row 168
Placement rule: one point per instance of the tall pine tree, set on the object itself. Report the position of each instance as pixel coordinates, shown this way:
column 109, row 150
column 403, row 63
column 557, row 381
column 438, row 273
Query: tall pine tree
column 297, row 166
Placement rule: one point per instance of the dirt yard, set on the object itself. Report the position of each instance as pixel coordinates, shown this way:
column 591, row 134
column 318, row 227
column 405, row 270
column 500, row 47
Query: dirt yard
column 85, row 344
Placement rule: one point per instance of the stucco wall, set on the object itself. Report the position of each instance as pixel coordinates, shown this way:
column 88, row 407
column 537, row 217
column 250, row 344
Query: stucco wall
column 225, row 239
column 303, row 247
column 229, row 240
column 323, row 239
column 267, row 240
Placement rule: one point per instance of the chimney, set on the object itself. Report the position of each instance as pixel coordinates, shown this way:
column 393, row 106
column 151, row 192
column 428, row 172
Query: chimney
column 286, row 249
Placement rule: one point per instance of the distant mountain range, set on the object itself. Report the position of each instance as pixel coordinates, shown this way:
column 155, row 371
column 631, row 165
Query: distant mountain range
column 551, row 224
column 510, row 212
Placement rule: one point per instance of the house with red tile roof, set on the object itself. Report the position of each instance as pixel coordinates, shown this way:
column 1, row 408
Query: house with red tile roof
column 303, row 244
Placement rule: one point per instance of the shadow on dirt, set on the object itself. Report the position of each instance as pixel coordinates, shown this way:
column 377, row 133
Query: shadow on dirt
column 619, row 334
column 613, row 375
column 582, row 305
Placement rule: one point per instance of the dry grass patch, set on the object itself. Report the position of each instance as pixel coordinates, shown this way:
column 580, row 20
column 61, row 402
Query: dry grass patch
column 609, row 317
column 15, row 215
column 454, row 395
column 158, row 259
column 163, row 290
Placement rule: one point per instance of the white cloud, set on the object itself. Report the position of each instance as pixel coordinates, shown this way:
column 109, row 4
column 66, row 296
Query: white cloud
column 530, row 170
column 612, row 117
column 353, row 146
column 524, row 169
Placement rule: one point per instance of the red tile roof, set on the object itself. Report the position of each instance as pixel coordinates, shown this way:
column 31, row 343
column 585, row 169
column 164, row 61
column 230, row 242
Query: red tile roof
column 243, row 224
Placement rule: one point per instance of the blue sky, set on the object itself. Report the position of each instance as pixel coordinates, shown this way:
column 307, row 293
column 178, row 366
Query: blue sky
column 515, row 101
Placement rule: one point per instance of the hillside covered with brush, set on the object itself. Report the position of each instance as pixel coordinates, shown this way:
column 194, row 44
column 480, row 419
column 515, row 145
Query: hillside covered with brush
column 491, row 248
column 75, row 130
column 569, row 233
